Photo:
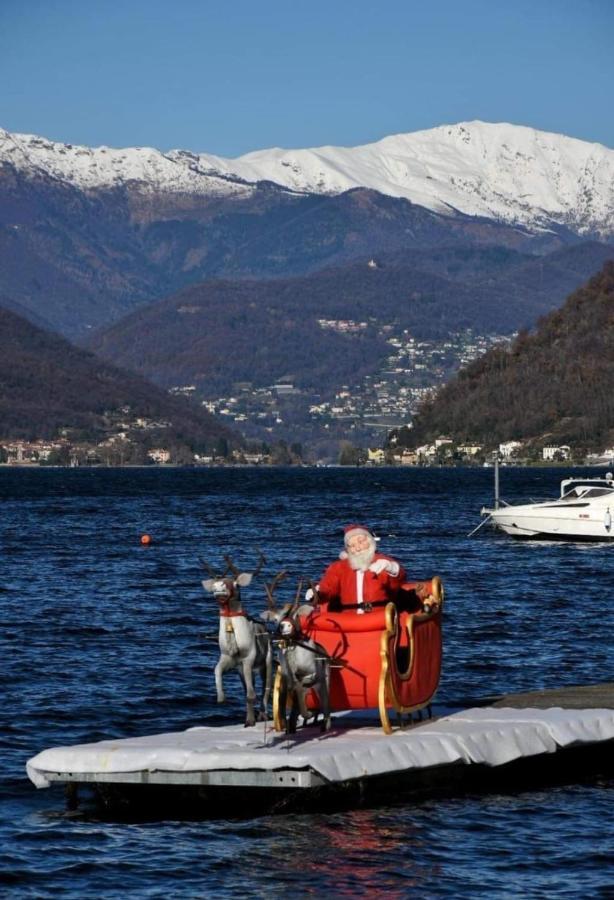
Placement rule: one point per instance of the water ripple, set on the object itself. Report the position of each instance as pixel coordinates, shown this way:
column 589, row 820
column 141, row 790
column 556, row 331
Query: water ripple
column 100, row 637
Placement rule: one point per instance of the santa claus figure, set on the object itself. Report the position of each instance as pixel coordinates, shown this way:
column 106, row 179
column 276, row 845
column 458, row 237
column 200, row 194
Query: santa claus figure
column 361, row 578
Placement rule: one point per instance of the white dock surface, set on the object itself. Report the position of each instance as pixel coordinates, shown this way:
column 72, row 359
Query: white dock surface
column 234, row 755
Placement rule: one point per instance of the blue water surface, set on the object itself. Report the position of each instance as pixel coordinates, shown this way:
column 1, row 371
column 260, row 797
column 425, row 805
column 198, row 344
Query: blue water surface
column 101, row 637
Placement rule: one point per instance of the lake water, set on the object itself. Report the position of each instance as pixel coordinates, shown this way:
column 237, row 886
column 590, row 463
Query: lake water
column 101, row 637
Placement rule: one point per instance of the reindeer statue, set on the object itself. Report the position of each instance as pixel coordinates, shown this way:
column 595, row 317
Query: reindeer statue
column 244, row 643
column 303, row 664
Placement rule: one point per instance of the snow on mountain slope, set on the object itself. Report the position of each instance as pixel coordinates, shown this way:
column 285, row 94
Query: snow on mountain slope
column 104, row 167
column 506, row 172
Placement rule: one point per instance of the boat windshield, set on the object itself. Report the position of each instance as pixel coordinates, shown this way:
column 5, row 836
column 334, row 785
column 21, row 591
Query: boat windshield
column 576, row 487
column 598, row 492
column 586, row 491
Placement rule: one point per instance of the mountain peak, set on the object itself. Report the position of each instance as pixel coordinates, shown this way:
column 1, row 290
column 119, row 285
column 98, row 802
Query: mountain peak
column 511, row 173
column 507, row 172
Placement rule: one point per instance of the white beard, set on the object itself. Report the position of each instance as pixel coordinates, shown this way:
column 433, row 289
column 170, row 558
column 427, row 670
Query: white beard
column 361, row 561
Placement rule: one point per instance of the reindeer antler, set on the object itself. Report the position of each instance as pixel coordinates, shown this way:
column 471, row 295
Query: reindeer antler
column 236, row 572
column 231, row 566
column 261, row 562
column 272, row 587
column 208, row 569
column 297, row 598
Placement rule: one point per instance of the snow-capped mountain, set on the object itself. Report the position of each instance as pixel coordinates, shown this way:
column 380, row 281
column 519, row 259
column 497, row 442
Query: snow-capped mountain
column 94, row 168
column 509, row 173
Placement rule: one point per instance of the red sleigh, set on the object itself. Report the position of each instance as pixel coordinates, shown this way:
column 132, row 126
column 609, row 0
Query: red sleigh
column 387, row 658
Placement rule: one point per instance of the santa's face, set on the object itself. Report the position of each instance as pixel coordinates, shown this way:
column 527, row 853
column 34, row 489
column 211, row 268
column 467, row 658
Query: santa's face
column 360, row 549
column 358, row 542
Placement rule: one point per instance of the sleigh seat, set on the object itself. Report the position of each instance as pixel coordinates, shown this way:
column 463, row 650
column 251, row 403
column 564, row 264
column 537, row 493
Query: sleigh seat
column 388, row 657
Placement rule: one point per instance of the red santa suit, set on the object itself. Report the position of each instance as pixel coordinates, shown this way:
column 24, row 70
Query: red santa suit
column 350, row 583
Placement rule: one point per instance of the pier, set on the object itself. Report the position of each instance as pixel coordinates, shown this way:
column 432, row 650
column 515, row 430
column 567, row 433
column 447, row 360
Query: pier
column 498, row 743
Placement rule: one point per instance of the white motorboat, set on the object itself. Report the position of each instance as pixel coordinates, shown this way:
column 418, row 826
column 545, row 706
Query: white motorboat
column 583, row 512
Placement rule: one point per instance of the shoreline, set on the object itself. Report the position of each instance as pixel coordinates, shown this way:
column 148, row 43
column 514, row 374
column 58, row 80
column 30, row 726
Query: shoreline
column 377, row 468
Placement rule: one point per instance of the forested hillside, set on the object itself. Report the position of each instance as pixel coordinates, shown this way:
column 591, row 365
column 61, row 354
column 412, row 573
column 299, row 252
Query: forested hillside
column 46, row 385
column 556, row 385
column 220, row 332
column 81, row 259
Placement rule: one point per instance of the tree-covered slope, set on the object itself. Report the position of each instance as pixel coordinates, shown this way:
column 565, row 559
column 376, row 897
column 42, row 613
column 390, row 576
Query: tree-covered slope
column 555, row 385
column 219, row 332
column 47, row 384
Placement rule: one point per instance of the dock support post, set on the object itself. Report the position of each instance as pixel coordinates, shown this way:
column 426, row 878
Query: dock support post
column 72, row 796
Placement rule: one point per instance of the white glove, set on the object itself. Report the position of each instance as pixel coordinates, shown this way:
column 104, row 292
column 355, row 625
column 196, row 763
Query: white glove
column 309, row 594
column 384, row 565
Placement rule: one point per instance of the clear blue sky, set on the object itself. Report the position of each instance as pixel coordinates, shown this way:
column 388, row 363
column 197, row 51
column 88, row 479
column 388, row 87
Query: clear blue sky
column 237, row 76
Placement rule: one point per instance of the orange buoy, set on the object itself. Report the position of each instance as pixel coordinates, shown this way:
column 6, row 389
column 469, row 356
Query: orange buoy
column 145, row 540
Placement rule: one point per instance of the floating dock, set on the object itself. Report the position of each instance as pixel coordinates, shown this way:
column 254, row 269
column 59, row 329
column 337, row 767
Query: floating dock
column 516, row 739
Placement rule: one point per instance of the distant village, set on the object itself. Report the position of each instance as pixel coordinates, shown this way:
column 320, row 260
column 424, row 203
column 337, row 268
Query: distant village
column 279, row 421
column 364, row 411
column 121, row 451
column 444, row 451
column 64, row 452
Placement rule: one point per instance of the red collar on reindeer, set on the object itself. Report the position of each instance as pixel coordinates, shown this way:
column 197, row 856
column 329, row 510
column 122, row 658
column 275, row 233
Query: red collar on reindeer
column 225, row 592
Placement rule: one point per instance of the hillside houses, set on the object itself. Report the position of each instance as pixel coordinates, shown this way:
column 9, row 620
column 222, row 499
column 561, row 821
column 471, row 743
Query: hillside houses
column 362, row 411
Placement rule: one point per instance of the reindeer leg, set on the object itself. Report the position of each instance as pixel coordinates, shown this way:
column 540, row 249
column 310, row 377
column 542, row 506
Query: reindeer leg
column 250, row 695
column 293, row 717
column 259, row 672
column 263, row 713
column 224, row 663
column 250, row 713
column 324, row 695
column 265, row 672
column 301, row 695
column 268, row 682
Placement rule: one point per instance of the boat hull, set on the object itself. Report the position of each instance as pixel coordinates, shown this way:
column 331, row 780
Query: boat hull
column 529, row 526
column 527, row 535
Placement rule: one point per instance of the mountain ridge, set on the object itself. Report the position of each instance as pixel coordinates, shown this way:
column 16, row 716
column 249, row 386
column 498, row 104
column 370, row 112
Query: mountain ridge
column 510, row 173
column 80, row 260
column 222, row 331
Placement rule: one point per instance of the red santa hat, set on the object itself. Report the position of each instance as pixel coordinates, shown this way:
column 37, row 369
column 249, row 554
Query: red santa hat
column 350, row 530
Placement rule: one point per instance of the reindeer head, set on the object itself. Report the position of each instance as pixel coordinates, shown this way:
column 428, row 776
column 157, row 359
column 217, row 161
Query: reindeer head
column 225, row 587
column 273, row 613
column 286, row 618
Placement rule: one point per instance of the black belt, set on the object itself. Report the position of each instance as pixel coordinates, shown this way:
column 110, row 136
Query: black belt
column 366, row 607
